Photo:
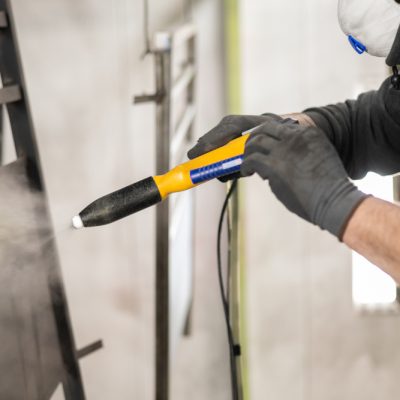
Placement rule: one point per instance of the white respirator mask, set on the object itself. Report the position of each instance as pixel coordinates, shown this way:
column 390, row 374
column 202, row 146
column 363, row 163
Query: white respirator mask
column 372, row 26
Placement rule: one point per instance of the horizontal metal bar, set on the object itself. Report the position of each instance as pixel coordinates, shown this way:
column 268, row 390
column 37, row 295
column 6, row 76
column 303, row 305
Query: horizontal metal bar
column 182, row 131
column 3, row 19
column 9, row 94
column 148, row 98
column 183, row 35
column 91, row 348
column 183, row 81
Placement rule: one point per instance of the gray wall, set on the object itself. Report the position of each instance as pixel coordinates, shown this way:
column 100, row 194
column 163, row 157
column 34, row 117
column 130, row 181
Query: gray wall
column 305, row 339
column 83, row 64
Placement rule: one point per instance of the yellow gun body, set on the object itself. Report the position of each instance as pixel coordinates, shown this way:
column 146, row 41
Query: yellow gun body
column 222, row 161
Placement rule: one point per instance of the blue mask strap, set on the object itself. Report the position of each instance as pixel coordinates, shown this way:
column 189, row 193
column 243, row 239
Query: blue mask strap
column 357, row 46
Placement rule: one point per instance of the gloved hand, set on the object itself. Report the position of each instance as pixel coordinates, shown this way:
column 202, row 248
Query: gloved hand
column 304, row 172
column 229, row 128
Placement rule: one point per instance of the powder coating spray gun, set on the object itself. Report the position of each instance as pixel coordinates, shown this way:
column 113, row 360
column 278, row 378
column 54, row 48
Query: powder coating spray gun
column 223, row 161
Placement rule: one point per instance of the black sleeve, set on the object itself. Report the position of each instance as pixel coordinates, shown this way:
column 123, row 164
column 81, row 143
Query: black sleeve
column 365, row 132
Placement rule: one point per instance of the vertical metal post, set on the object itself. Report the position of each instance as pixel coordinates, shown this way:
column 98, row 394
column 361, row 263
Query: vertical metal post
column 191, row 88
column 163, row 85
column 396, row 189
column 191, row 93
column 172, row 136
column 1, row 135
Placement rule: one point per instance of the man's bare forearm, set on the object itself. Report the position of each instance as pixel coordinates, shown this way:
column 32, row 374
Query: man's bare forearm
column 374, row 229
column 374, row 232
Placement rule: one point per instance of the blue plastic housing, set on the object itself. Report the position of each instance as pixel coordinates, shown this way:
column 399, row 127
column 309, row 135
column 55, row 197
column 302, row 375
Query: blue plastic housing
column 217, row 170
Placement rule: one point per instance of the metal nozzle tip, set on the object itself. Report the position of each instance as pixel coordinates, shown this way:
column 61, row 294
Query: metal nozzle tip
column 77, row 222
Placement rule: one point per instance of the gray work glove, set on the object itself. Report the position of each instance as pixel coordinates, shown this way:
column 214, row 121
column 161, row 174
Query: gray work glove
column 229, row 128
column 304, row 172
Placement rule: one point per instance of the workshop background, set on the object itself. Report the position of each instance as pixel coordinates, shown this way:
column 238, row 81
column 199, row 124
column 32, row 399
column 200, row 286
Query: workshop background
column 83, row 64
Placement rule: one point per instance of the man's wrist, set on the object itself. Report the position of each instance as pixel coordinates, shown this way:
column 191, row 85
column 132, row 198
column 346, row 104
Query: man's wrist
column 373, row 231
column 357, row 219
column 301, row 118
column 335, row 213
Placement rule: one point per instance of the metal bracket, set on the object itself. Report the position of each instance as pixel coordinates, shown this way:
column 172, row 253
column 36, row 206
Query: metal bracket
column 149, row 98
column 89, row 349
column 10, row 94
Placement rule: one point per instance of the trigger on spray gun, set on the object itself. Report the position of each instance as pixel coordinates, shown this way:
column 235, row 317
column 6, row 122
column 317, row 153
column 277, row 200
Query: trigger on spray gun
column 221, row 162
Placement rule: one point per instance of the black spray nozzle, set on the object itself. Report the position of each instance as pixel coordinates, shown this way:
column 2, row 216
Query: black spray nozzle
column 119, row 204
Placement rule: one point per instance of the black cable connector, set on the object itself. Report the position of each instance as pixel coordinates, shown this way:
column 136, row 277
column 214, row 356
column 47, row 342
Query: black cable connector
column 396, row 78
column 237, row 350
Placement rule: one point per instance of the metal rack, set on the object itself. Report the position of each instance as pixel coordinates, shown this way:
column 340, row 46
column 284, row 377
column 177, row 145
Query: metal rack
column 38, row 349
column 175, row 73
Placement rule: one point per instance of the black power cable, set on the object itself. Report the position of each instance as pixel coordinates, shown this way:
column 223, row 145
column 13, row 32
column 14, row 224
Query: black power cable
column 233, row 348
